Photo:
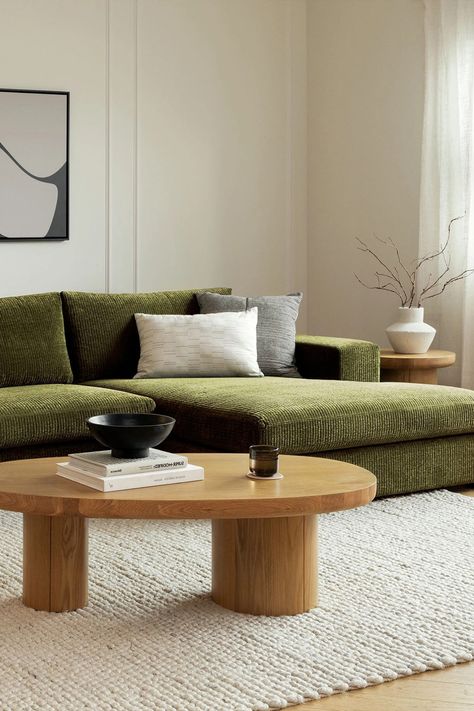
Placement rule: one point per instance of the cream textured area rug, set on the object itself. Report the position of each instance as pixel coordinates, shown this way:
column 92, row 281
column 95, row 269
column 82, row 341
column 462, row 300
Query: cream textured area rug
column 396, row 596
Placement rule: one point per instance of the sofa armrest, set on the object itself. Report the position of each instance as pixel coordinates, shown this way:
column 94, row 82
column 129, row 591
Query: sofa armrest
column 337, row 358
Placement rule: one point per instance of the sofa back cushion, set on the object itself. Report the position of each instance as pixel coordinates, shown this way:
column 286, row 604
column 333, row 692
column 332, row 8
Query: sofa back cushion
column 32, row 341
column 101, row 331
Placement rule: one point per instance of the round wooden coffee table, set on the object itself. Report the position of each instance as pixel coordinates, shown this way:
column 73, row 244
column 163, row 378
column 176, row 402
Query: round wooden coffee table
column 263, row 532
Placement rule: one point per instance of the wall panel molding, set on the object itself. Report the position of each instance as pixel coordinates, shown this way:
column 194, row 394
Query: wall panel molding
column 122, row 122
column 135, row 147
column 297, row 145
column 107, row 148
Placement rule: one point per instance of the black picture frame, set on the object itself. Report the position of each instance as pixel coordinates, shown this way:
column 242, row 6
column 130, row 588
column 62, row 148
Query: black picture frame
column 28, row 112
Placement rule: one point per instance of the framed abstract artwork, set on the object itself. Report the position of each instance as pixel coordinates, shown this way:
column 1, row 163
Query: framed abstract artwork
column 34, row 165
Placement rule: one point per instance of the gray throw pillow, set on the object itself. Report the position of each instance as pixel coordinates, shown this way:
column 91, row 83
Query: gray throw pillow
column 276, row 327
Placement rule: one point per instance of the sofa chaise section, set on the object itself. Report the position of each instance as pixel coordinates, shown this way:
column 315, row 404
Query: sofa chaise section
column 319, row 417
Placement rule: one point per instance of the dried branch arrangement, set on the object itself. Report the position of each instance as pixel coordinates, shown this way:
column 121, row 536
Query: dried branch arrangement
column 406, row 280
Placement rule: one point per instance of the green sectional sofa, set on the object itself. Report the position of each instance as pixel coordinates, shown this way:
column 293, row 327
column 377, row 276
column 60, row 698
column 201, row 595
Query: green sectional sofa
column 65, row 357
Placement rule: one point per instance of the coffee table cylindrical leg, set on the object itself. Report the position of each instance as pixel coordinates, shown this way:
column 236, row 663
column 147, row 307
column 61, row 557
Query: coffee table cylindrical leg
column 265, row 566
column 55, row 556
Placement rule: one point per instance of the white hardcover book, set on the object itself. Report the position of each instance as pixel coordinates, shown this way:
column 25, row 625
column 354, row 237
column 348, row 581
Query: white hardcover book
column 104, row 464
column 131, row 481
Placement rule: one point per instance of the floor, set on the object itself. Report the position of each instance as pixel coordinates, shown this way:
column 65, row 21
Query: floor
column 446, row 690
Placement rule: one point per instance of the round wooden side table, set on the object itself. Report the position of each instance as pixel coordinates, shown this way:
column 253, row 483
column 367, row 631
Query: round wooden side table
column 413, row 367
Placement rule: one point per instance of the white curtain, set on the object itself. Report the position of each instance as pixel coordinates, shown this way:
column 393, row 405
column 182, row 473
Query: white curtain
column 447, row 186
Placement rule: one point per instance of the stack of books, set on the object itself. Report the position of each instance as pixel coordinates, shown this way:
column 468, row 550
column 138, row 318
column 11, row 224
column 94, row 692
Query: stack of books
column 101, row 471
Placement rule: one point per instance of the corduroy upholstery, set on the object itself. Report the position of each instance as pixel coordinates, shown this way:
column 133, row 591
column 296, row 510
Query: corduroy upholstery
column 101, row 333
column 32, row 343
column 413, row 437
column 400, row 467
column 52, row 449
column 39, row 414
column 337, row 358
column 405, row 467
column 304, row 416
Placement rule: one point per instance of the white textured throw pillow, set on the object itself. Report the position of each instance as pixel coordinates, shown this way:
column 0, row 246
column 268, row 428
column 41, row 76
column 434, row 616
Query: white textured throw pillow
column 203, row 345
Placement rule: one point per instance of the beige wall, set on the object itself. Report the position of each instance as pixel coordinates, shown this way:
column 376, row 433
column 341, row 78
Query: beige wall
column 187, row 142
column 365, row 99
column 218, row 139
column 236, row 142
column 57, row 44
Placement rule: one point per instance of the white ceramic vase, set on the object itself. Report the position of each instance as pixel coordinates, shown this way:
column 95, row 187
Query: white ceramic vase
column 410, row 334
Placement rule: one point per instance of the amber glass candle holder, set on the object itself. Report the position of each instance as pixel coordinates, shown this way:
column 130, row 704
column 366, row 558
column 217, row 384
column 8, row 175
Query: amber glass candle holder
column 263, row 460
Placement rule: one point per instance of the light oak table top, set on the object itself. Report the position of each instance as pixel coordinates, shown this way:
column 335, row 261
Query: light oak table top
column 310, row 485
column 413, row 367
column 390, row 360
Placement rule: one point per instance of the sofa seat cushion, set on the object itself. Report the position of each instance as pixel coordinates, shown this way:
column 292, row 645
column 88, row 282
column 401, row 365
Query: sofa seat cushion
column 304, row 416
column 38, row 414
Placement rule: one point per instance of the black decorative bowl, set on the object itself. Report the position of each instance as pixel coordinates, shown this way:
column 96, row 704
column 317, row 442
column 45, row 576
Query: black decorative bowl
column 130, row 436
